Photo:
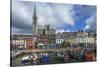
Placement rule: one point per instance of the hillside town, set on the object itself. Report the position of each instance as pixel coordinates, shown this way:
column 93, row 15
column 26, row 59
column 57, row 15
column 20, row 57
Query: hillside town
column 45, row 46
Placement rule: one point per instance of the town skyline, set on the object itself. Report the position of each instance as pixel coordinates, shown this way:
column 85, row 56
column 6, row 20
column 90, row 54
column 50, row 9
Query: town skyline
column 62, row 17
column 51, row 33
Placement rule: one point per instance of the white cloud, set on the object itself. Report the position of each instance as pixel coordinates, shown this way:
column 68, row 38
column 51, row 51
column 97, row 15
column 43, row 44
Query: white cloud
column 57, row 31
column 21, row 11
column 46, row 15
column 91, row 19
column 54, row 14
column 65, row 13
column 62, row 30
column 68, row 30
column 90, row 23
column 86, row 27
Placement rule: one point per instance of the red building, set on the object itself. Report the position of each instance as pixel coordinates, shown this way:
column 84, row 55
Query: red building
column 43, row 39
column 29, row 44
column 89, row 56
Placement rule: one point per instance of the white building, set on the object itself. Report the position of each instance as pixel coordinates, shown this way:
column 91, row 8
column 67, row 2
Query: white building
column 89, row 40
column 82, row 37
column 59, row 40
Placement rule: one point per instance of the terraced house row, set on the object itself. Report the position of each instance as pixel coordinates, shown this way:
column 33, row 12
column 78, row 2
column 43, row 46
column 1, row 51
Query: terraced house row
column 54, row 40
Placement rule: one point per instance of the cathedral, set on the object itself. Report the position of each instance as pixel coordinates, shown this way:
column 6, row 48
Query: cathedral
column 38, row 31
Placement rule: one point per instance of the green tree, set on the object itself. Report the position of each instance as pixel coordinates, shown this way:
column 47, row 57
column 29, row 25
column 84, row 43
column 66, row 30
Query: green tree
column 65, row 44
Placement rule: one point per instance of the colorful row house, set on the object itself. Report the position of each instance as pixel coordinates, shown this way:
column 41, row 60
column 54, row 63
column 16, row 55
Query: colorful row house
column 29, row 44
column 21, row 42
column 43, row 39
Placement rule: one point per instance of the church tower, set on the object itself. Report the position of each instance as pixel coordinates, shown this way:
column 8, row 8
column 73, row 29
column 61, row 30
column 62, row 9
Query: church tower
column 34, row 26
column 35, row 23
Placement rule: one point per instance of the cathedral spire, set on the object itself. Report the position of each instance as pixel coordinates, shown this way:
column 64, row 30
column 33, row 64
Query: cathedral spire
column 35, row 23
column 34, row 26
column 34, row 13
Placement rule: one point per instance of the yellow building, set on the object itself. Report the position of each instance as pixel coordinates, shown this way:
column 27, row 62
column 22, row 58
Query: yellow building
column 71, row 41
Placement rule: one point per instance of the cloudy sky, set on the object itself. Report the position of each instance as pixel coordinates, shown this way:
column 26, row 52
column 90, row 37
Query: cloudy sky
column 62, row 17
